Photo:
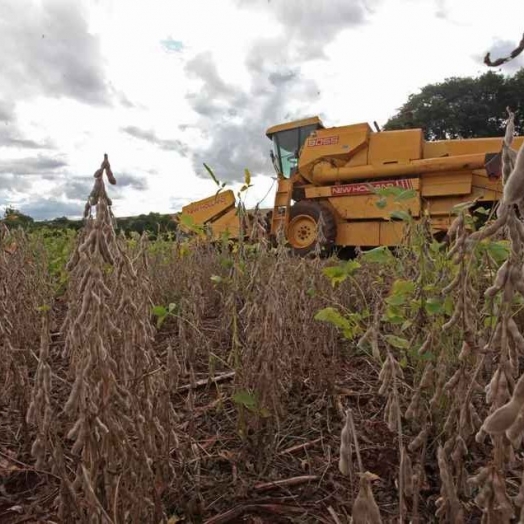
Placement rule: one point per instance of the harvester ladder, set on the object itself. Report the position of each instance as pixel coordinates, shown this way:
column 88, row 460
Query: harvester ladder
column 280, row 216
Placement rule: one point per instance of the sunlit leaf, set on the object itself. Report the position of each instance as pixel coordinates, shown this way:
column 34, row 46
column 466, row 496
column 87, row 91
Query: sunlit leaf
column 245, row 398
column 247, row 177
column 406, row 194
column 402, row 287
column 159, row 311
column 332, row 316
column 433, row 306
column 380, row 255
column 498, row 250
column 459, row 208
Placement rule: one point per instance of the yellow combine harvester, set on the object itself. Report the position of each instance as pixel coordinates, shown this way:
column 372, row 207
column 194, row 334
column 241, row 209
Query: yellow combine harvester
column 330, row 176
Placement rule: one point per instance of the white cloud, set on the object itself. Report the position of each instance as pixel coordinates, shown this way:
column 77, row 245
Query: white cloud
column 162, row 87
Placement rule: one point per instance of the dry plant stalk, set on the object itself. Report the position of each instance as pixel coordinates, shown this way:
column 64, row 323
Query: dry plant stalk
column 40, row 412
column 504, row 424
column 24, row 290
column 365, row 509
column 119, row 417
column 499, row 61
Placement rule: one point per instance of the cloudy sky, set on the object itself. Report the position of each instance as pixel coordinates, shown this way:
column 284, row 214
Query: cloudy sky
column 165, row 85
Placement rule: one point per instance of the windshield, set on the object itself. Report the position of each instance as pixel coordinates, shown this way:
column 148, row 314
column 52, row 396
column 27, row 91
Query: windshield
column 287, row 145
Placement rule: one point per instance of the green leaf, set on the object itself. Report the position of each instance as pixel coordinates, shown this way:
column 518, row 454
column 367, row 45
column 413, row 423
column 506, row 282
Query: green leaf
column 490, row 322
column 380, row 255
column 226, row 263
column 159, row 311
column 247, row 177
column 216, row 279
column 406, row 194
column 449, row 305
column 385, row 191
column 434, row 306
column 436, row 246
column 482, row 211
column 332, row 316
column 498, row 250
column 245, row 398
column 397, row 342
column 338, row 274
column 403, row 362
column 459, row 208
column 396, row 300
column 43, row 309
column 402, row 287
column 212, row 175
column 349, row 325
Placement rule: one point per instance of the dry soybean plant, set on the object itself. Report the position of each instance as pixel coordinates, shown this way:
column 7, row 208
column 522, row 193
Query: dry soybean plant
column 24, row 292
column 504, row 390
column 117, row 459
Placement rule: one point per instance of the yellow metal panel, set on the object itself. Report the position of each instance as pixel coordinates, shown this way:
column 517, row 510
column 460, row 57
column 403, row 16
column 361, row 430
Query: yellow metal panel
column 485, row 194
column 360, row 159
column 469, row 146
column 439, row 224
column 391, row 233
column 446, row 183
column 323, row 173
column 337, row 143
column 358, row 233
column 228, row 223
column 395, row 146
column 365, row 206
column 481, row 180
column 442, row 205
column 207, row 208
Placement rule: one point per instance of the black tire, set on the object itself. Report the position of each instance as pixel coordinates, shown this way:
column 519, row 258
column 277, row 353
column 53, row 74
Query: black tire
column 316, row 210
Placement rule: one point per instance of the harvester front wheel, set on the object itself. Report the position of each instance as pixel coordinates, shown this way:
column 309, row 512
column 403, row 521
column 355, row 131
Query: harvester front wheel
column 303, row 232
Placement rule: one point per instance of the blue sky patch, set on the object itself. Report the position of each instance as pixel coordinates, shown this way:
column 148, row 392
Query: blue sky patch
column 172, row 45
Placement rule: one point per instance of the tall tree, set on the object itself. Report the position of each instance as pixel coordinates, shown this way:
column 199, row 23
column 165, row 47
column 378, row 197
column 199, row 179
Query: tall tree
column 463, row 107
column 15, row 218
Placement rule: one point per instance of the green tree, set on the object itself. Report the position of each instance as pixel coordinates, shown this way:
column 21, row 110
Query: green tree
column 463, row 107
column 15, row 218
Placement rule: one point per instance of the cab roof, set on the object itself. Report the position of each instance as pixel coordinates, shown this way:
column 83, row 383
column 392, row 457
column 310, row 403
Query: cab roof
column 293, row 125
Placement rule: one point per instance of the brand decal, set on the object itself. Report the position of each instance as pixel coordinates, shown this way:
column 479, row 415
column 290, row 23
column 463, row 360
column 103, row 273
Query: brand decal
column 324, row 141
column 362, row 189
column 205, row 205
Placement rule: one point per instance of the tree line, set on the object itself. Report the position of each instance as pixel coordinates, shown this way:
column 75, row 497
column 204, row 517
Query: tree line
column 464, row 107
column 153, row 223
